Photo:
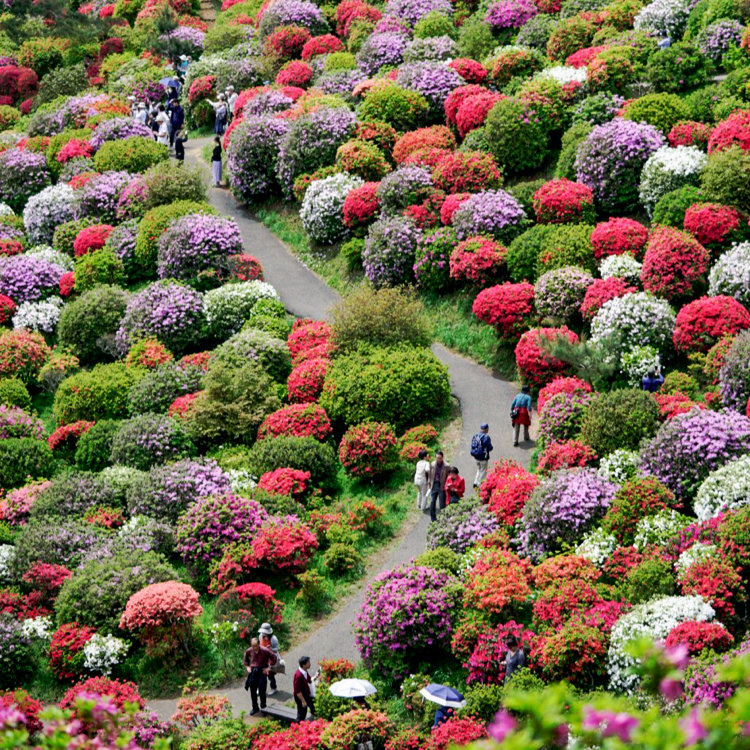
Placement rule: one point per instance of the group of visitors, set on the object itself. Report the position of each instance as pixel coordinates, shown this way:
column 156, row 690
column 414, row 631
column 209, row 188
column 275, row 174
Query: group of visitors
column 165, row 121
column 438, row 484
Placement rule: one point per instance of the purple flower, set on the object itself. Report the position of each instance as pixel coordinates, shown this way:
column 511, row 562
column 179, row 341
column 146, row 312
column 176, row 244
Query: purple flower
column 670, row 688
column 187, row 37
column 342, row 82
column 693, row 727
column 22, row 173
column 460, row 526
column 117, row 129
column 510, row 14
column 610, row 724
column 718, row 37
column 734, row 376
column 26, row 278
column 492, row 212
column 379, row 50
column 407, row 185
column 122, row 241
column 391, row 23
column 16, row 423
column 412, row 11
column 266, row 104
column 293, row 13
column 388, row 256
column 100, row 195
column 434, row 80
column 501, row 726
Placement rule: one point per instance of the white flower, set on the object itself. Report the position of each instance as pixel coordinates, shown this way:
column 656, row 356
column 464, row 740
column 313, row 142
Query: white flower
column 623, row 266
column 7, row 555
column 730, row 274
column 653, row 619
column 468, row 559
column 639, row 361
column 658, row 529
column 47, row 252
column 668, row 169
column 46, row 210
column 6, row 210
column 39, row 316
column 667, row 17
column 597, row 546
column 38, row 628
column 322, row 211
column 619, row 466
column 638, row 319
column 563, row 74
column 229, row 306
column 726, row 488
column 242, row 481
column 697, row 553
column 104, row 652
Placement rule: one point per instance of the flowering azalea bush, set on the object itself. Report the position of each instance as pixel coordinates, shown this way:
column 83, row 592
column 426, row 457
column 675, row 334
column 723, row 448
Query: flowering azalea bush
column 534, row 363
column 564, row 202
column 703, row 322
column 66, row 650
column 301, row 420
column 368, row 449
column 507, row 307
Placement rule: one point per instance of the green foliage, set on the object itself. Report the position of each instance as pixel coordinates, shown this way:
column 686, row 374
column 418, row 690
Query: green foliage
column 234, row 402
column 572, row 138
column 252, row 345
column 523, row 192
column 402, row 386
column 61, row 82
column 483, row 701
column 726, row 178
column 343, row 559
column 228, row 734
column 134, row 154
column 517, row 138
column 649, row 579
column 567, row 245
column 525, row 250
column 680, row 67
column 304, row 453
column 13, row 392
column 222, row 37
column 351, row 252
column 435, row 23
column 663, row 111
column 402, row 109
column 169, row 183
column 97, row 593
column 101, row 393
column 475, row 40
column 670, row 209
column 95, row 445
column 65, row 233
column 676, row 381
column 90, row 321
column 336, row 61
column 382, row 317
column 619, row 419
column 593, row 361
column 440, row 558
column 99, row 267
column 21, row 458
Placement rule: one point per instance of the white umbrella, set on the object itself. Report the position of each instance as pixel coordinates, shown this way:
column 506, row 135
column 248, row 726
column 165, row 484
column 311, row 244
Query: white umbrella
column 443, row 695
column 352, row 688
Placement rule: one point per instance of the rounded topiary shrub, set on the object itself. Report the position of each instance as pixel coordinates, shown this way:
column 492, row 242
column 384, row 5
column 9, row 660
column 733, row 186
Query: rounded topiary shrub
column 662, row 111
column 253, row 345
column 516, row 135
column 95, row 445
column 134, row 154
column 156, row 391
column 88, row 324
column 21, row 458
column 368, row 449
column 230, row 306
column 150, row 439
column 726, row 178
column 401, row 386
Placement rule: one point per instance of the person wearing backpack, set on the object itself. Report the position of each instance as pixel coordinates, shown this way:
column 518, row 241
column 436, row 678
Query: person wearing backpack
column 481, row 447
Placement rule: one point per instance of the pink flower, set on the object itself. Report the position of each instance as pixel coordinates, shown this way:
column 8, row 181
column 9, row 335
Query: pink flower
column 670, row 688
column 678, row 655
column 693, row 728
column 502, row 725
column 610, row 724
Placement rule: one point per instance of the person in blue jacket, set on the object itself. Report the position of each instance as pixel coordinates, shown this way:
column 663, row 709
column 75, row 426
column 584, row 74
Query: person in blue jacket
column 481, row 447
column 520, row 414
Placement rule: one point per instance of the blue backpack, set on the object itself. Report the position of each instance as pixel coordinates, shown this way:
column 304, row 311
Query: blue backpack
column 477, row 446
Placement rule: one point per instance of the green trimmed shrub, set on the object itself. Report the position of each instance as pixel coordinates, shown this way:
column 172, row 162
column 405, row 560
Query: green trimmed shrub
column 649, row 579
column 726, row 178
column 680, row 67
column 21, row 458
column 524, row 251
column 663, row 111
column 251, row 345
column 97, row 268
column 572, row 138
column 65, row 233
column 440, row 558
column 669, row 210
column 402, row 109
column 517, row 138
column 61, row 82
column 13, row 392
column 170, row 183
column 568, row 245
column 95, row 445
column 435, row 23
column 134, row 154
column 475, row 39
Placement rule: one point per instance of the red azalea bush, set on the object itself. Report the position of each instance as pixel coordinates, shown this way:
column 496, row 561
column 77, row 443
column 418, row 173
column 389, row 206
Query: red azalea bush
column 105, row 517
column 466, row 171
column 635, row 498
column 699, row 636
column 64, row 439
column 451, row 204
column 121, row 692
column 10, row 247
column 478, row 261
column 201, row 88
column 621, row 562
column 562, row 568
column 583, row 57
column 427, row 213
column 715, row 358
column 295, row 73
column 603, row 615
column 163, row 613
column 368, row 449
column 46, row 578
column 618, row 236
column 490, row 649
column 66, row 650
column 701, row 323
column 689, row 133
column 304, row 735
column 75, row 148
column 198, row 709
column 734, row 131
column 285, row 481
column 286, row 545
column 717, row 582
column 456, row 98
column 300, row 420
column 601, row 291
column 498, row 582
column 22, row 354
column 91, row 238
column 21, row 701
column 67, row 284
column 535, row 365
column 305, row 381
column 565, row 455
column 507, row 307
column 714, row 225
column 564, row 202
column 436, row 136
column 575, row 653
column 470, row 70
column 321, row 45
column 245, row 268
column 361, row 206
column 673, row 264
column 672, row 404
column 248, row 605
column 506, row 490
column 473, row 110
column 561, row 385
column 560, row 602
column 287, row 42
column 307, row 334
column 427, row 157
column 456, row 732
column 181, row 406
column 148, row 353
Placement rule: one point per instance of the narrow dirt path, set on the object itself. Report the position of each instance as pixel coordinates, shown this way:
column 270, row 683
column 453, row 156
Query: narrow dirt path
column 482, row 397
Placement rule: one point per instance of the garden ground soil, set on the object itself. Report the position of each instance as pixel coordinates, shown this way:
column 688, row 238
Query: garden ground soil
column 482, row 397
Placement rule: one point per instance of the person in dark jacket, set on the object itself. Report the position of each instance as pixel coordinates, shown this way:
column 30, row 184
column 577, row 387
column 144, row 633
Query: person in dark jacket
column 303, row 686
column 258, row 662
column 652, row 381
column 179, row 145
column 176, row 120
column 481, row 447
column 515, row 658
column 436, row 482
column 216, row 162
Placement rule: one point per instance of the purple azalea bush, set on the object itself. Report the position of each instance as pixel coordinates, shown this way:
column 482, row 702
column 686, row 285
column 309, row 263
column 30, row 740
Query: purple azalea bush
column 169, row 490
column 509, row 14
column 381, row 49
column 187, row 38
column 131, row 203
column 22, row 174
column 492, row 212
column 16, row 423
column 149, row 440
column 100, row 195
column 196, row 245
column 461, row 525
column 293, row 13
column 717, row 38
column 703, row 686
column 122, row 241
column 562, row 509
column 265, row 104
column 73, row 495
column 26, row 278
column 412, row 11
column 407, row 614
column 559, row 293
column 388, row 256
column 688, row 447
column 432, row 258
column 342, row 82
column 406, row 185
column 434, row 80
column 734, row 376
column 170, row 311
column 561, row 417
column 611, row 158
column 392, row 23
column 117, row 129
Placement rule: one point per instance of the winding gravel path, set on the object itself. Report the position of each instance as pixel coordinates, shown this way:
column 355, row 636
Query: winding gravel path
column 482, row 397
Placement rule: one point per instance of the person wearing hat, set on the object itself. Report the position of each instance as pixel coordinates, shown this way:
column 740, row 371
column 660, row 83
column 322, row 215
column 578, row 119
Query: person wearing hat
column 141, row 113
column 520, row 414
column 232, row 97
column 481, row 447
column 271, row 642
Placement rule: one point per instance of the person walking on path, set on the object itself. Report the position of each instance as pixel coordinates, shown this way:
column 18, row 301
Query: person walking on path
column 652, row 381
column 271, row 642
column 257, row 661
column 436, row 481
column 515, row 658
column 216, row 162
column 455, row 486
column 481, row 447
column 176, row 120
column 220, row 114
column 520, row 414
column 179, row 145
column 304, row 689
column 421, row 476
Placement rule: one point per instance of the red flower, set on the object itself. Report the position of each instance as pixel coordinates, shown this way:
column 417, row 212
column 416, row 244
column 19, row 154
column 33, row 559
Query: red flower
column 734, row 131
column 484, row 663
column 565, row 455
column 10, row 247
column 672, row 404
column 564, row 202
column 534, row 363
column 717, row 582
column 698, row 636
column 361, row 206
column 618, row 236
column 470, row 70
column 295, row 73
column 287, row 42
column 456, row 98
column 601, row 291
column 368, row 449
column 28, row 706
column 7, row 309
column 561, row 385
column 673, row 263
column 507, row 307
column 714, row 225
column 321, row 45
column 121, row 692
column 558, row 603
column 305, row 381
column 67, row 284
column 307, row 334
column 499, row 579
column 91, row 238
column 701, row 323
column 474, row 109
column 466, row 172
column 507, row 488
column 456, row 732
column 180, row 407
column 479, row 261
column 66, row 649
column 689, row 133
column 199, row 359
column 437, row 136
column 284, row 481
column 299, row 420
column 451, row 204
column 201, row 88
column 286, row 546
column 245, row 268
column 67, row 436
column 583, row 57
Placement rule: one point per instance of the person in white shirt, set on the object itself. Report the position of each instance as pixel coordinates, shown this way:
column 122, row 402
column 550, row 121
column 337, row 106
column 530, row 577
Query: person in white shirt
column 141, row 113
column 421, row 475
column 232, row 97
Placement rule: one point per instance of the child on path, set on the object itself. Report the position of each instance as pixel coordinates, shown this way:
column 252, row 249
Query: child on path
column 455, row 486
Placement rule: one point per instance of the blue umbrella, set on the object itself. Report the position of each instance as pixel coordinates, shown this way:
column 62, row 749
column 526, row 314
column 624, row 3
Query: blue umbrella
column 171, row 82
column 443, row 695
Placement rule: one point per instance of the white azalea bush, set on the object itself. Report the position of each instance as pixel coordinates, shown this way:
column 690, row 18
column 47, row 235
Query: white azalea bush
column 322, row 211
column 659, row 528
column 623, row 266
column 699, row 552
column 638, row 319
column 103, row 653
column 46, row 210
column 730, row 274
column 597, row 546
column 6, row 210
column 668, row 169
column 639, row 361
column 38, row 628
column 563, row 74
column 665, row 17
column 229, row 306
column 7, row 555
column 726, row 488
column 620, row 465
column 653, row 619
column 48, row 253
column 39, row 316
